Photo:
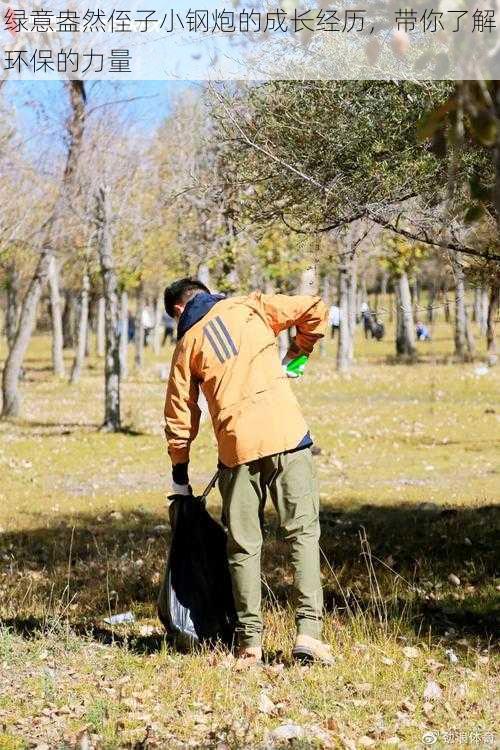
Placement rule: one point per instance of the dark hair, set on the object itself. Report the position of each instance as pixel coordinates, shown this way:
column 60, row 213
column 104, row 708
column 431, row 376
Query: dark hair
column 176, row 293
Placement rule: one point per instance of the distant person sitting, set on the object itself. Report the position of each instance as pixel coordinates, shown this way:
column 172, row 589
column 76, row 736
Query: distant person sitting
column 168, row 329
column 422, row 332
column 334, row 319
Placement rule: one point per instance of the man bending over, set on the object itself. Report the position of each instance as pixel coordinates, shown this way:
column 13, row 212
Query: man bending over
column 227, row 347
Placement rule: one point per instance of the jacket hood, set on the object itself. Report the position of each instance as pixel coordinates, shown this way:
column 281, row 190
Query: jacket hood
column 195, row 310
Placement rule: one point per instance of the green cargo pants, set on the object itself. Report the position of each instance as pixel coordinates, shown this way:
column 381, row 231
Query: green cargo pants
column 291, row 481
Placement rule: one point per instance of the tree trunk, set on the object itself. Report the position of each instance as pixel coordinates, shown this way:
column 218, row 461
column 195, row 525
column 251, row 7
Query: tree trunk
column 12, row 311
column 124, row 334
column 352, row 306
column 139, row 327
column 405, row 325
column 415, row 295
column 308, row 281
column 56, row 315
column 204, row 275
column 81, row 335
column 344, row 346
column 326, row 295
column 447, row 313
column 469, row 336
column 14, row 362
column 460, row 313
column 13, row 365
column 363, row 292
column 157, row 329
column 68, row 320
column 483, row 314
column 383, row 283
column 476, row 310
column 430, row 305
column 101, row 327
column 112, row 421
column 491, row 345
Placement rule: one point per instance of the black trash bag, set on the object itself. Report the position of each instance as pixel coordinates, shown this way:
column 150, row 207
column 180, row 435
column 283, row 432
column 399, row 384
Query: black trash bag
column 196, row 599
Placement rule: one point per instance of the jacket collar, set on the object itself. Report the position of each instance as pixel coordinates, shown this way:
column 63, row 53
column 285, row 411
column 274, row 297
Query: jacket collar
column 195, row 310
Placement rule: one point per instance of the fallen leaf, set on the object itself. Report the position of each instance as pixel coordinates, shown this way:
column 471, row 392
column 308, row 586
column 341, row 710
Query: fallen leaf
column 411, row 652
column 363, row 687
column 408, row 706
column 434, row 666
column 287, row 732
column 428, row 708
column 366, row 741
column 455, row 580
column 432, row 691
column 265, row 704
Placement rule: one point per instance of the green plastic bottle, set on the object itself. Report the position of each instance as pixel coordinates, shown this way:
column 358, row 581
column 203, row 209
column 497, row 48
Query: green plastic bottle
column 295, row 368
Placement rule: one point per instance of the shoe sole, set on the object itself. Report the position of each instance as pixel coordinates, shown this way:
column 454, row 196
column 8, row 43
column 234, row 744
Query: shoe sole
column 306, row 657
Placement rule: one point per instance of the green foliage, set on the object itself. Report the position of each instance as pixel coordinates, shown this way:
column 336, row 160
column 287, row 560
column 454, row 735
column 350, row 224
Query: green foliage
column 402, row 256
column 466, row 128
column 281, row 255
column 317, row 153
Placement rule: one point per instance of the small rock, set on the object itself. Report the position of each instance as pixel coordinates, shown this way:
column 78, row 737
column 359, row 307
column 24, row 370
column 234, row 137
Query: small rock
column 432, row 691
column 467, row 541
column 455, row 580
column 411, row 652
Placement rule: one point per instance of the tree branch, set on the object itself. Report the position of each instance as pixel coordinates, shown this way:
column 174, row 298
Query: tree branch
column 426, row 240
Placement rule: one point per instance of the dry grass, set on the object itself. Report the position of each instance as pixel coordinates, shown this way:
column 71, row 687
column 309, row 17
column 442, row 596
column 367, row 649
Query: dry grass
column 410, row 486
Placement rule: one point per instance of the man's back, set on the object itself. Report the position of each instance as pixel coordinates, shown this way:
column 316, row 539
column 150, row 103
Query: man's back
column 230, row 352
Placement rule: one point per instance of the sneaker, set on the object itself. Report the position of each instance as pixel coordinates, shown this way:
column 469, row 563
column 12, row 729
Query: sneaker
column 308, row 650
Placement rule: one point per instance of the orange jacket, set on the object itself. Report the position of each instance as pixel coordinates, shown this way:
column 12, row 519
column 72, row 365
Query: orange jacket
column 231, row 354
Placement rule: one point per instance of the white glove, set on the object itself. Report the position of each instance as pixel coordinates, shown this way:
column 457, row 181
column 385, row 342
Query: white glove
column 181, row 489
